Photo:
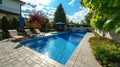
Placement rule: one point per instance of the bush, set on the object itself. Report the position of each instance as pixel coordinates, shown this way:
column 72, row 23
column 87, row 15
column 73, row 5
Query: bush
column 15, row 23
column 105, row 51
column 5, row 34
column 5, row 23
column 5, row 26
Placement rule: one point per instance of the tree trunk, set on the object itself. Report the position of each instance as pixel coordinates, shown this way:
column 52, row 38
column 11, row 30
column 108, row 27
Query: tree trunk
column 103, row 33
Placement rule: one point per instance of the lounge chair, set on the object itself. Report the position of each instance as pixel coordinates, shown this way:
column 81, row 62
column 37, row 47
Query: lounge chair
column 14, row 35
column 29, row 33
column 39, row 32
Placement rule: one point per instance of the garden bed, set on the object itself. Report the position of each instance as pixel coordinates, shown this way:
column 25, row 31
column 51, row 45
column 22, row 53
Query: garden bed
column 105, row 51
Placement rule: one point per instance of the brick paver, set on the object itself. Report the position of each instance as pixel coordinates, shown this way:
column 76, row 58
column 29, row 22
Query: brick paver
column 10, row 56
column 83, row 57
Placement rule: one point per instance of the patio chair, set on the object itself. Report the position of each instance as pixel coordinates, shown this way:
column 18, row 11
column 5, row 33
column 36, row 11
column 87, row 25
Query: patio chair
column 39, row 32
column 29, row 33
column 14, row 35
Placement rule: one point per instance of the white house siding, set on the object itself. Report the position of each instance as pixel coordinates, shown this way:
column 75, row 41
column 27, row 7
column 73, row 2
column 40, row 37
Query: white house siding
column 12, row 6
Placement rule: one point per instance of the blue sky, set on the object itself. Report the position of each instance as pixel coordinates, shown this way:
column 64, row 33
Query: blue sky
column 73, row 8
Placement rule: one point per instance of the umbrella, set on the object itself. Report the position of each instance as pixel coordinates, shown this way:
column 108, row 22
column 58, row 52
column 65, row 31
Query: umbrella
column 60, row 23
column 21, row 21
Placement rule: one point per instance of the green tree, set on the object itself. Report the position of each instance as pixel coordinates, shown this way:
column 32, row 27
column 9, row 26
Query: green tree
column 44, row 25
column 87, row 18
column 5, row 26
column 60, row 15
column 104, row 12
column 5, row 23
column 15, row 23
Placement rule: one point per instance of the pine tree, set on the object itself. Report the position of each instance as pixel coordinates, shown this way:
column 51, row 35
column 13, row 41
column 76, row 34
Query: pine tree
column 60, row 15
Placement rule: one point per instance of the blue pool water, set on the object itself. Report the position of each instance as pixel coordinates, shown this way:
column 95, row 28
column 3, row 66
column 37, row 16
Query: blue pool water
column 58, row 47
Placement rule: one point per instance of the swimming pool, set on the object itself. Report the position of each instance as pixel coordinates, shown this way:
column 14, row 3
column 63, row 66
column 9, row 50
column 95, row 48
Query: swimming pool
column 57, row 47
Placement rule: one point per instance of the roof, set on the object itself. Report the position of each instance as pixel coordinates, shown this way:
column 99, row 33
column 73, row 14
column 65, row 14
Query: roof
column 60, row 23
column 19, row 0
column 22, row 2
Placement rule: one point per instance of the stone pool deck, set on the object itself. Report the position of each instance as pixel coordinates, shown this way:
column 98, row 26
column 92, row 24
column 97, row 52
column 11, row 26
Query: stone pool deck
column 14, row 55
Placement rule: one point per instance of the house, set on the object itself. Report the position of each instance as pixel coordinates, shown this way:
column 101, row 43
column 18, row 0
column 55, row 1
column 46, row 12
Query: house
column 10, row 8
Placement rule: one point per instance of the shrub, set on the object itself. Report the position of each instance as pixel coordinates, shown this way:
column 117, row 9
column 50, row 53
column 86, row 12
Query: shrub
column 5, row 26
column 105, row 51
column 5, row 23
column 5, row 34
column 15, row 23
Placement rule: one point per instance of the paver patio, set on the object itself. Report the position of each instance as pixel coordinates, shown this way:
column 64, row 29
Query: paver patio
column 13, row 56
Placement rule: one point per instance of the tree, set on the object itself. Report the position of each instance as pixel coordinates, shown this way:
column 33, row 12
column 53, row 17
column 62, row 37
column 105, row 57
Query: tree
column 5, row 23
column 104, row 12
column 82, row 22
column 44, row 25
column 60, row 15
column 15, row 23
column 5, row 26
column 87, row 18
column 50, row 25
column 36, row 20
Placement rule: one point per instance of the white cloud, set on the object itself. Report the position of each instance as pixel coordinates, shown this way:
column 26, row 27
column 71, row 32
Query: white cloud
column 44, row 9
column 78, row 16
column 39, row 8
column 71, row 2
column 43, row 5
column 50, row 14
column 44, row 2
column 24, row 7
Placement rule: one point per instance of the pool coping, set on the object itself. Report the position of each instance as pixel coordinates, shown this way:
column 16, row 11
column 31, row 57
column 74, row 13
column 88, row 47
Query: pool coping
column 81, row 57
column 70, row 61
column 75, row 55
column 75, row 60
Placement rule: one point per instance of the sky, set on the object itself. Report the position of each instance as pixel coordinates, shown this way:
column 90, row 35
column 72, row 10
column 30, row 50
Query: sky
column 73, row 9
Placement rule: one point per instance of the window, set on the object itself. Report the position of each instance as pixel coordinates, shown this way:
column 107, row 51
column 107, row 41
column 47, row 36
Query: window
column 0, row 1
